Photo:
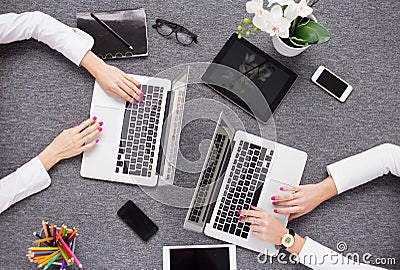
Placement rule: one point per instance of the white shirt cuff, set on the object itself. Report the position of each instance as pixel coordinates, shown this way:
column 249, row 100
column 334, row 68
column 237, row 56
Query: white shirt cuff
column 77, row 46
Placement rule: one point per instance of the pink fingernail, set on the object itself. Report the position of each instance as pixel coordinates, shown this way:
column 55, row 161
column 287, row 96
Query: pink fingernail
column 97, row 141
column 281, row 188
column 134, row 102
column 141, row 94
column 139, row 86
column 274, row 203
column 252, row 206
column 94, row 118
column 275, row 211
column 100, row 123
column 240, row 219
column 79, row 123
column 240, row 211
column 141, row 100
column 273, row 198
column 100, row 129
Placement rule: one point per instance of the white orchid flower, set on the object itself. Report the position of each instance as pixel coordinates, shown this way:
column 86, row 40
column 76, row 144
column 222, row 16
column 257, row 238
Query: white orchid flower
column 280, row 2
column 260, row 15
column 298, row 9
column 255, row 6
column 277, row 24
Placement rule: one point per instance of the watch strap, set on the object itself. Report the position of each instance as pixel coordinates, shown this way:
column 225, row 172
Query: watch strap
column 292, row 233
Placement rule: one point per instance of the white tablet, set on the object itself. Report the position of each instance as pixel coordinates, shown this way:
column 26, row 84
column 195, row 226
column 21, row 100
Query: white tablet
column 199, row 257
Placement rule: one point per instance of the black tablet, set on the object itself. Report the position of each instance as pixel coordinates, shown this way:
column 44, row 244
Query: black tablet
column 270, row 80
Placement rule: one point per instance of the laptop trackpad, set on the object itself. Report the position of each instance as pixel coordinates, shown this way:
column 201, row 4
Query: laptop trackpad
column 112, row 119
column 273, row 190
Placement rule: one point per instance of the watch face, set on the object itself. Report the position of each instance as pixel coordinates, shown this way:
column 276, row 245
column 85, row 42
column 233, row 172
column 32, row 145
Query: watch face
column 288, row 240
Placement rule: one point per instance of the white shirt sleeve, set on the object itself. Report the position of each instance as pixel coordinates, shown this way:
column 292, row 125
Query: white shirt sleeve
column 364, row 167
column 71, row 42
column 319, row 257
column 27, row 180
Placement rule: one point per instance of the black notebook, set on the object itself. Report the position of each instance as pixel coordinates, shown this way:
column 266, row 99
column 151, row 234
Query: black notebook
column 129, row 24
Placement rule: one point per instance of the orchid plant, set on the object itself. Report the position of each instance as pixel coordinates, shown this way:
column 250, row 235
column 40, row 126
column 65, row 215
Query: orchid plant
column 286, row 19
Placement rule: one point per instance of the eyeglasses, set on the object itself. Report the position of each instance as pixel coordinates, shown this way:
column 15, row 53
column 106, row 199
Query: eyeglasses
column 166, row 28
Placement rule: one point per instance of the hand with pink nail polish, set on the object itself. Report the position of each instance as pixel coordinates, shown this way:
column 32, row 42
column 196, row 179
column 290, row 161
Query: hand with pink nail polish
column 264, row 225
column 113, row 80
column 298, row 201
column 71, row 142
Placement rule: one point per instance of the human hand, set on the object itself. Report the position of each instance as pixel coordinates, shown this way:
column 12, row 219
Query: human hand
column 113, row 80
column 71, row 142
column 263, row 225
column 304, row 198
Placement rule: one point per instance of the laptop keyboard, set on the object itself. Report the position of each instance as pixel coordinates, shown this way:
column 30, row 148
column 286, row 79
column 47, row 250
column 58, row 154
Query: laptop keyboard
column 206, row 180
column 139, row 133
column 244, row 185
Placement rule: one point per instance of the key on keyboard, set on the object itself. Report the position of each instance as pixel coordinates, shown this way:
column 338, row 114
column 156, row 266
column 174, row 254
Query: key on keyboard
column 244, row 185
column 139, row 133
column 206, row 180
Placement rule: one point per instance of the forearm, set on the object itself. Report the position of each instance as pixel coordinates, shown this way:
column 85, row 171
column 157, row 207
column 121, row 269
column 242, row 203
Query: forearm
column 27, row 180
column 71, row 42
column 92, row 63
column 49, row 158
column 364, row 167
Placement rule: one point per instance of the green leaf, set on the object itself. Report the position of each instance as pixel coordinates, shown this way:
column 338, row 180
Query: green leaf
column 322, row 33
column 303, row 22
column 298, row 42
column 306, row 33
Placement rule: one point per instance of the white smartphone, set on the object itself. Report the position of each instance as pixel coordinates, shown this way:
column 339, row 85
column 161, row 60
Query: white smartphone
column 331, row 83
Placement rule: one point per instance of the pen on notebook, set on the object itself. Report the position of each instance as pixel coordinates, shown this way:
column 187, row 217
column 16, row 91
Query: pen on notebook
column 111, row 31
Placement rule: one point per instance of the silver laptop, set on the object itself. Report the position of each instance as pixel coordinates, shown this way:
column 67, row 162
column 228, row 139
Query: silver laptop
column 241, row 170
column 139, row 142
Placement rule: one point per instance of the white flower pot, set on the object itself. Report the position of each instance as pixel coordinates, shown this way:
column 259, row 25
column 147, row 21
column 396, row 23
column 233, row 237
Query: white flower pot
column 287, row 50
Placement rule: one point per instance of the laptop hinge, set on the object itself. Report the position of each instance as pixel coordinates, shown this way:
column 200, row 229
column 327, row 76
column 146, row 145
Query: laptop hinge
column 161, row 157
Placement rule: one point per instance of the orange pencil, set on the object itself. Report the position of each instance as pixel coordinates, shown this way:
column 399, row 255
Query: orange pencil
column 45, row 228
column 49, row 258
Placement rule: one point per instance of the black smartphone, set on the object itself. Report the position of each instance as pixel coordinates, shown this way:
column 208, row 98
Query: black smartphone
column 137, row 220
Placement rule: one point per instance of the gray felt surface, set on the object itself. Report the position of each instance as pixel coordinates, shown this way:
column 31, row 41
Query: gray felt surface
column 42, row 93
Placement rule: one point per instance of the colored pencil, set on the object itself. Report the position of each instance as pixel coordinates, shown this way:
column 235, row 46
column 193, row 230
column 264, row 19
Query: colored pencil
column 63, row 265
column 59, row 234
column 52, row 261
column 51, row 229
column 45, row 228
column 43, row 248
column 54, row 235
column 43, row 240
column 46, row 260
column 64, row 254
column 70, row 253
column 42, row 252
column 39, row 237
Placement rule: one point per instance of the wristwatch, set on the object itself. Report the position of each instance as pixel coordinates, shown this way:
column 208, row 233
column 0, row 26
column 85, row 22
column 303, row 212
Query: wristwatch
column 287, row 240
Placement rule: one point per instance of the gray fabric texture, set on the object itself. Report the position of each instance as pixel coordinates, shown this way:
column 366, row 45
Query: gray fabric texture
column 42, row 93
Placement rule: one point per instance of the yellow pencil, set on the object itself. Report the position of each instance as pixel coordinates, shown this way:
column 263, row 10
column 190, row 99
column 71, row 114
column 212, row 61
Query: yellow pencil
column 43, row 248
column 42, row 240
